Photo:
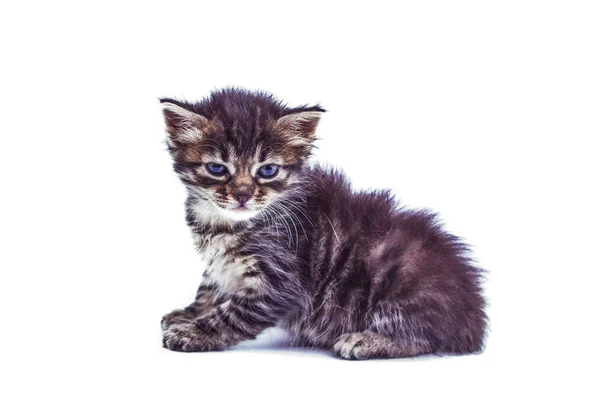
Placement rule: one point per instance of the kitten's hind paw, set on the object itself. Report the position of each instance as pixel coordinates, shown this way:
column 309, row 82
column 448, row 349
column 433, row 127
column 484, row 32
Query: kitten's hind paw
column 366, row 345
column 350, row 346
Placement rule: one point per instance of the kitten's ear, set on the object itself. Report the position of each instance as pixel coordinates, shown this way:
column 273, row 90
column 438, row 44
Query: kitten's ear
column 183, row 126
column 300, row 126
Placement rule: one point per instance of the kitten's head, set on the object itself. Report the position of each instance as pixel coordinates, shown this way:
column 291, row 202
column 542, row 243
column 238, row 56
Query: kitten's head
column 239, row 150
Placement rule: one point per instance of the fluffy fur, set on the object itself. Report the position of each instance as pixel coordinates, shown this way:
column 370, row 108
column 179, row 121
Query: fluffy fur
column 339, row 269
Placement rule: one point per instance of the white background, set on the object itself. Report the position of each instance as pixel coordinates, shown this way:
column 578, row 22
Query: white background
column 487, row 112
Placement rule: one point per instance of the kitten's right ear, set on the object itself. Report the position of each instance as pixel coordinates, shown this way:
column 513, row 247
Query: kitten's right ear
column 183, row 126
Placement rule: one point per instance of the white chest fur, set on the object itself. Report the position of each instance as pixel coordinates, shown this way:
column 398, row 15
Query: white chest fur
column 224, row 268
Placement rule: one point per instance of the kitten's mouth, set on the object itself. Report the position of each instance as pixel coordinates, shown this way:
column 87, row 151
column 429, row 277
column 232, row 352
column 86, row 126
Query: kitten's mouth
column 239, row 213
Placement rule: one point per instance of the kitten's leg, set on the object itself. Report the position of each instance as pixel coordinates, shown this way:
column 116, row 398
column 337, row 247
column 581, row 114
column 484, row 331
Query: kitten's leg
column 225, row 325
column 368, row 344
column 205, row 298
column 260, row 295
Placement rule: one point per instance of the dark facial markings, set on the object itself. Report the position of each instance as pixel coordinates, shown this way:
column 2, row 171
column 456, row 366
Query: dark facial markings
column 240, row 185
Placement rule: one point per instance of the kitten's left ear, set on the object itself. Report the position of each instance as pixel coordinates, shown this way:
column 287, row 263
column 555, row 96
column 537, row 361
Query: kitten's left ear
column 299, row 126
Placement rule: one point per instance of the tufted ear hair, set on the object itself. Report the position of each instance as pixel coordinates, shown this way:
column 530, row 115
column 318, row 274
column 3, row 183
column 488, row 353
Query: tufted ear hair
column 182, row 125
column 299, row 126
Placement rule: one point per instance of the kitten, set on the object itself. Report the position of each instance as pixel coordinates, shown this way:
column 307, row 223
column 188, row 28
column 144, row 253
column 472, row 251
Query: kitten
column 292, row 245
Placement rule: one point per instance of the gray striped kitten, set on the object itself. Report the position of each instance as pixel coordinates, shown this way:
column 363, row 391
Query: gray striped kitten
column 291, row 245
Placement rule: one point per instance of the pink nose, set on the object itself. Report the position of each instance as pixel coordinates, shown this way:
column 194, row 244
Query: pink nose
column 242, row 197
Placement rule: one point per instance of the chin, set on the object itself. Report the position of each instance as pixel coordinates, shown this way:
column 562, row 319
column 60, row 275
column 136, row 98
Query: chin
column 238, row 215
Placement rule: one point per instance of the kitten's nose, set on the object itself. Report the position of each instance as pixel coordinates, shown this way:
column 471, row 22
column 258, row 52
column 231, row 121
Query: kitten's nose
column 242, row 196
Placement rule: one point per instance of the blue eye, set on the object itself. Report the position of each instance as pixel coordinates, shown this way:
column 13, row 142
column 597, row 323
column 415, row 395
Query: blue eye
column 268, row 171
column 216, row 169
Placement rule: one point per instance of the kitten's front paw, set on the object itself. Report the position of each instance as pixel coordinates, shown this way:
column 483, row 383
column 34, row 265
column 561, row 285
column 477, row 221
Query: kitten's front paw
column 188, row 338
column 181, row 338
column 173, row 318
